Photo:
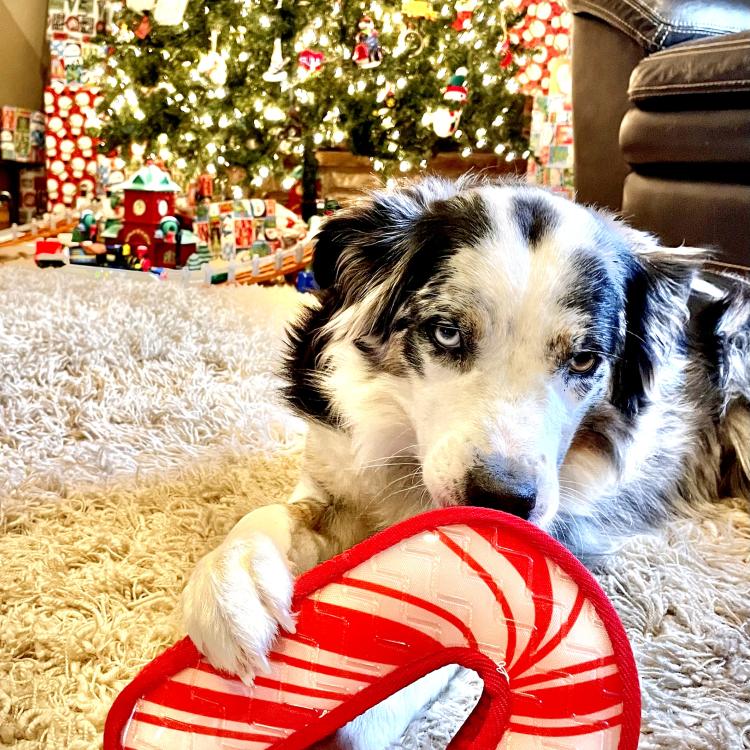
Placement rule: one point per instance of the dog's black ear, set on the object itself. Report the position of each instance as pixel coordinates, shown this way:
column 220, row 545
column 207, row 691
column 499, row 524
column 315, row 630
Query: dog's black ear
column 336, row 234
column 352, row 243
column 657, row 288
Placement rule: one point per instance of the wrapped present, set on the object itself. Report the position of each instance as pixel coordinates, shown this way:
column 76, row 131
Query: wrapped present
column 77, row 19
column 32, row 194
column 22, row 136
column 243, row 224
column 551, row 141
column 72, row 166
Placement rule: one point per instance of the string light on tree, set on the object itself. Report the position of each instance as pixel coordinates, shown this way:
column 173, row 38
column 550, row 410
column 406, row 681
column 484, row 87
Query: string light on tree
column 270, row 82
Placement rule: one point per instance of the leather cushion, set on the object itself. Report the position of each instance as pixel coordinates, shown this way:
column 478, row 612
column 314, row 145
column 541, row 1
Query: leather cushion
column 699, row 136
column 658, row 24
column 705, row 69
column 699, row 214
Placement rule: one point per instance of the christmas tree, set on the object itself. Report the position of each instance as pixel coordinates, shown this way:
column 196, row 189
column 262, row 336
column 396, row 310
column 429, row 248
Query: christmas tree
column 243, row 89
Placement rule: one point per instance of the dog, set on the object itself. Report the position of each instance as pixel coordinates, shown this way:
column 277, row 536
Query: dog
column 491, row 344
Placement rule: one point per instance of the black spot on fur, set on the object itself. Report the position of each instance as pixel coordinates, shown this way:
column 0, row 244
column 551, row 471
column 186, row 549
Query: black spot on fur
column 705, row 315
column 597, row 296
column 412, row 353
column 534, row 215
column 435, row 237
column 399, row 241
column 302, row 363
column 654, row 291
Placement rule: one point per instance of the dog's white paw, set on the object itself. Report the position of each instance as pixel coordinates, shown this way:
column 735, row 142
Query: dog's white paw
column 235, row 601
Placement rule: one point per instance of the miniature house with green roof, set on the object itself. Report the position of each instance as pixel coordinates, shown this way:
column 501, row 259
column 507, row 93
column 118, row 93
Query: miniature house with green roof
column 149, row 219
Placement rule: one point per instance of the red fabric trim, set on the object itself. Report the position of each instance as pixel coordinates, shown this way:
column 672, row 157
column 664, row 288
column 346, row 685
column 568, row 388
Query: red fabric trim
column 493, row 709
column 490, row 732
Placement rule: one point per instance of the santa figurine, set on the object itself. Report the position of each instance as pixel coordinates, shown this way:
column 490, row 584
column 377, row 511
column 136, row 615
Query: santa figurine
column 367, row 52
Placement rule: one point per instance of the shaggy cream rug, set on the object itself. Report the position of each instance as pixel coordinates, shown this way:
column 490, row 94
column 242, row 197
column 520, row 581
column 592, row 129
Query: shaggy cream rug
column 139, row 421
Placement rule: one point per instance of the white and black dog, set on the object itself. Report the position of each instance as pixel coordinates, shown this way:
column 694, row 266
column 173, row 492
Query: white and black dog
column 490, row 344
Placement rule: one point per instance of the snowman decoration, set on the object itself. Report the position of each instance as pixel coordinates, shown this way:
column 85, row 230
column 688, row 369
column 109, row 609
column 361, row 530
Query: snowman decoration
column 444, row 120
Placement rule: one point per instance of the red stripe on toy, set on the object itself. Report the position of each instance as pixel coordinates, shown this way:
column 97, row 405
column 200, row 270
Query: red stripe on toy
column 183, row 726
column 348, row 674
column 522, row 666
column 204, row 702
column 290, row 687
column 491, row 585
column 377, row 588
column 563, row 672
column 360, row 635
column 596, row 695
column 531, row 565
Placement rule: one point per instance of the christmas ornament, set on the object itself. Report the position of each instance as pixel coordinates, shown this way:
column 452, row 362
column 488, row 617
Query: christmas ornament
column 464, row 13
column 419, row 9
column 170, row 12
column 456, row 90
column 309, row 62
column 367, row 52
column 410, row 40
column 213, row 65
column 144, row 27
column 140, row 6
column 276, row 72
column 506, row 56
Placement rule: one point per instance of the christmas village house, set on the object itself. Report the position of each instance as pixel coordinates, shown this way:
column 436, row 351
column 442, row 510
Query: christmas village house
column 149, row 221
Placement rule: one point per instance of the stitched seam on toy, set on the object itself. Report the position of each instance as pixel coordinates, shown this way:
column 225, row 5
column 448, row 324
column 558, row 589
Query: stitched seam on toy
column 617, row 21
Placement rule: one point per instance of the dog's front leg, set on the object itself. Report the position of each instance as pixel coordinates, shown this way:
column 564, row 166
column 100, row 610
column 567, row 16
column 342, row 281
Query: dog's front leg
column 382, row 726
column 240, row 593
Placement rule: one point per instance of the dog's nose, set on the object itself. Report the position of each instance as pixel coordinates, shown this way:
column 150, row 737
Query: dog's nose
column 503, row 484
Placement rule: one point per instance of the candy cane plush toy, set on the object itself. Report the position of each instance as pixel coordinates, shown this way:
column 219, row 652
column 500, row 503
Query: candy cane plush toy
column 456, row 586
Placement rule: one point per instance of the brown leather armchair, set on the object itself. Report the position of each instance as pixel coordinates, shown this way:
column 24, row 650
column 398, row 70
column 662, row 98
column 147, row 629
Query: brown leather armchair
column 661, row 117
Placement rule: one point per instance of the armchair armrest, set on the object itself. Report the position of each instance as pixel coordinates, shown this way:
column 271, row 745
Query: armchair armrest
column 657, row 24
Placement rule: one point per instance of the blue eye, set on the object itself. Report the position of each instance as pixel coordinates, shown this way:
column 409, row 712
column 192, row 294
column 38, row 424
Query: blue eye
column 447, row 336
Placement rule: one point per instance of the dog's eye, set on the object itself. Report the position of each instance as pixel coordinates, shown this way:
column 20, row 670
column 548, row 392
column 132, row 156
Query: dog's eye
column 447, row 335
column 583, row 363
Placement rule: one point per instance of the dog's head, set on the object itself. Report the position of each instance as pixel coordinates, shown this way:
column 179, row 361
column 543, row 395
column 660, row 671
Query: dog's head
column 485, row 329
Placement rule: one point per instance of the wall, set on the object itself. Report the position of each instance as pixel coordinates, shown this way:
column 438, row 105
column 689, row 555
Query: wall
column 22, row 41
